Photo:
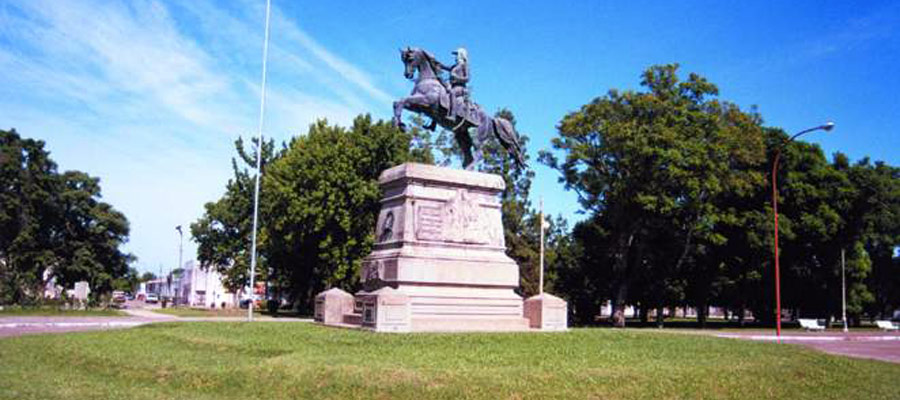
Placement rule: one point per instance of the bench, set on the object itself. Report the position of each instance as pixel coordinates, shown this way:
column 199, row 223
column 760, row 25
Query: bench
column 811, row 325
column 887, row 325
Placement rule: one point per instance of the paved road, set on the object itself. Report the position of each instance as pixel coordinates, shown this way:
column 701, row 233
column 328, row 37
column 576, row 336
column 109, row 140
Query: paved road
column 17, row 326
column 139, row 314
column 872, row 345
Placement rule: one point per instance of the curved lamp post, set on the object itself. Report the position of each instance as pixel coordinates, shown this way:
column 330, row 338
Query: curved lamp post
column 827, row 127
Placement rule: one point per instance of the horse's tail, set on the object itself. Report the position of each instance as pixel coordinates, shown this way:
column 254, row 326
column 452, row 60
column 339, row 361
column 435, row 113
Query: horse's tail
column 509, row 139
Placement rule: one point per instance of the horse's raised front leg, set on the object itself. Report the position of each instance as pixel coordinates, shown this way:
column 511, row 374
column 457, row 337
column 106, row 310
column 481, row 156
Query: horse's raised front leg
column 398, row 113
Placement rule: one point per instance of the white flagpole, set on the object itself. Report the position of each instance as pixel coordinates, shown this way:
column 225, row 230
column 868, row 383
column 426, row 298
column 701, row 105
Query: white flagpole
column 541, row 214
column 259, row 150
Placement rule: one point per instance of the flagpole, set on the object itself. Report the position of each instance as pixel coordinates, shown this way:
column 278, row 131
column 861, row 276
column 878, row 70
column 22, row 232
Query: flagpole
column 259, row 150
column 541, row 213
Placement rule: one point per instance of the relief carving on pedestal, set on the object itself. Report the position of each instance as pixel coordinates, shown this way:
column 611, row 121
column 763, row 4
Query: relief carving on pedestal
column 466, row 220
column 462, row 219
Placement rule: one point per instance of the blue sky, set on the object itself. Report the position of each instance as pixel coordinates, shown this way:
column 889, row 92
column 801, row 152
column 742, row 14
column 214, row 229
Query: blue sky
column 150, row 95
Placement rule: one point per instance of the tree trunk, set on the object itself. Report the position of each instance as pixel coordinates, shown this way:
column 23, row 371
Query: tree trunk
column 621, row 290
column 702, row 311
column 618, row 306
column 644, row 313
column 659, row 317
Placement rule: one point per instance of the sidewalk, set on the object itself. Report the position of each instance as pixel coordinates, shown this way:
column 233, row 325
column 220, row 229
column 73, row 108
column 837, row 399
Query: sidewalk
column 882, row 346
column 16, row 326
column 25, row 325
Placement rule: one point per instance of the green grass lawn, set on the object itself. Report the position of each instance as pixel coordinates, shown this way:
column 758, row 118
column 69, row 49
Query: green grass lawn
column 57, row 312
column 299, row 360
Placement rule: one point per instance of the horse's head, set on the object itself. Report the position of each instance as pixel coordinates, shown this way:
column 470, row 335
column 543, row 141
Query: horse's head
column 409, row 59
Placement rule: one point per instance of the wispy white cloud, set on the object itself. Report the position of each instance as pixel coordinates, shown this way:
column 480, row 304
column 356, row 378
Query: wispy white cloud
column 132, row 50
column 872, row 28
column 149, row 96
column 339, row 65
column 296, row 59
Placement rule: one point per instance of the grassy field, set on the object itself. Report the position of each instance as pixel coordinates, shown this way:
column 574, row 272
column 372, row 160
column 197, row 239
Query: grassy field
column 301, row 360
column 57, row 312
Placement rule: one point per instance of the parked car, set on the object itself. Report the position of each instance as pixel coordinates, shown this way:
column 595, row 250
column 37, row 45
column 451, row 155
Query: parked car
column 152, row 298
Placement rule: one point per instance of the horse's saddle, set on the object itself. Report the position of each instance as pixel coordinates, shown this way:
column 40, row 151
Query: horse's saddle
column 469, row 111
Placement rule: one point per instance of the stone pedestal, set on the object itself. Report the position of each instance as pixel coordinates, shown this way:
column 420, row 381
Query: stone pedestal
column 439, row 239
column 332, row 305
column 439, row 246
column 385, row 310
column 546, row 312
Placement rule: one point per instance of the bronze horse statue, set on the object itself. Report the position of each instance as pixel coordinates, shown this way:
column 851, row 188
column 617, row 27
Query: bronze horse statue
column 431, row 97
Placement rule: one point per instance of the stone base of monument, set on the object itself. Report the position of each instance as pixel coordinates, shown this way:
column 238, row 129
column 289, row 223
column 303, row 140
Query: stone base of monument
column 439, row 260
column 332, row 305
column 547, row 312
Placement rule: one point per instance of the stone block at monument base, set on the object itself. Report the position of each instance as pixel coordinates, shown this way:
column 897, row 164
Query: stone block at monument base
column 439, row 260
column 332, row 305
column 546, row 312
column 385, row 310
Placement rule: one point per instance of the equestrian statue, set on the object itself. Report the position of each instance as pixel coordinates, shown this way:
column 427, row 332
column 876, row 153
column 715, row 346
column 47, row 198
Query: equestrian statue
column 447, row 103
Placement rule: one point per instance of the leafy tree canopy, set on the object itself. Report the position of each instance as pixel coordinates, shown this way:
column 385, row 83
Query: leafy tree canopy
column 53, row 225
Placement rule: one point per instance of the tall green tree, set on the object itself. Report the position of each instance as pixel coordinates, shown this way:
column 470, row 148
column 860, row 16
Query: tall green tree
column 27, row 215
column 223, row 233
column 325, row 200
column 318, row 204
column 87, row 245
column 655, row 159
column 878, row 186
column 820, row 216
column 53, row 224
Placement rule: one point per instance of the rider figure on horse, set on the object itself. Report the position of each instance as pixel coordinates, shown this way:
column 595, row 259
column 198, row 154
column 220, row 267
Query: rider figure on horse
column 432, row 95
column 459, row 77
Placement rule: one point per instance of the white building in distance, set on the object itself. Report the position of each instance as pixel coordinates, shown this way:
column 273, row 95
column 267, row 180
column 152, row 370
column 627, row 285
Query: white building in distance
column 195, row 287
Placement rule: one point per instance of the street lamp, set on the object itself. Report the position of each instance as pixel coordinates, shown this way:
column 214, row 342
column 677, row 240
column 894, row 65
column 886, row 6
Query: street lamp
column 827, row 127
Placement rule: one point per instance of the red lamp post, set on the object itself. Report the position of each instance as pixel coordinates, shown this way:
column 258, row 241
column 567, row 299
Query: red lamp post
column 827, row 127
